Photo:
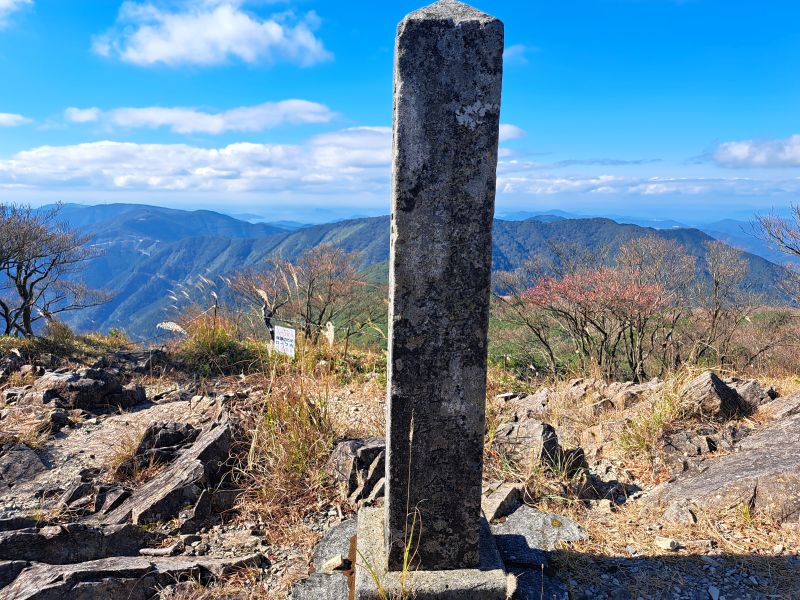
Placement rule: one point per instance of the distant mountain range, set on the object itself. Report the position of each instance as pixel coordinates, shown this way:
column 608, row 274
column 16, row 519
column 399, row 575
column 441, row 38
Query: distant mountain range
column 149, row 251
column 739, row 234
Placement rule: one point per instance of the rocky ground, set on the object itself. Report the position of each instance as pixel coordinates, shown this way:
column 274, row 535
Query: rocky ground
column 119, row 479
column 709, row 507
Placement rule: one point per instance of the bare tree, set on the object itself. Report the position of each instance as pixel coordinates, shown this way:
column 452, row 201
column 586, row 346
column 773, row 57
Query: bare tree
column 725, row 301
column 322, row 285
column 40, row 258
column 782, row 233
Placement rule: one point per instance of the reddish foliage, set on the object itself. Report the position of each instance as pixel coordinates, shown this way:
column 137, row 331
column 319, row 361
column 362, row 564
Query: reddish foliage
column 604, row 290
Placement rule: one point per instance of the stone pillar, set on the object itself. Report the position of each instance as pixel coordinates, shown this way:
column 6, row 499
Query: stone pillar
column 448, row 73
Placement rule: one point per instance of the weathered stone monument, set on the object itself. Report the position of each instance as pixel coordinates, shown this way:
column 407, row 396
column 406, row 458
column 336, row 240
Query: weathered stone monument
column 448, row 75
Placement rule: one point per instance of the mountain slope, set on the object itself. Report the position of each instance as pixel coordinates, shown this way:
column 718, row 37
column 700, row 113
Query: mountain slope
column 141, row 271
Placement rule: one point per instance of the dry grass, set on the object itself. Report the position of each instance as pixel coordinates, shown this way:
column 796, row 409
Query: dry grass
column 244, row 584
column 124, row 452
column 25, row 426
column 667, row 412
column 214, row 346
column 289, row 436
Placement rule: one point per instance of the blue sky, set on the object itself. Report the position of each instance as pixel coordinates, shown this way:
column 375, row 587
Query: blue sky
column 684, row 109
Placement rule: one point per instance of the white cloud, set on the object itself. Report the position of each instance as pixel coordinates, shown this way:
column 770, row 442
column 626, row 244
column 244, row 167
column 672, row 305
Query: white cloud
column 510, row 132
column 9, row 6
column 353, row 160
column 759, row 153
column 188, row 120
column 209, row 32
column 82, row 115
column 350, row 163
column 12, row 120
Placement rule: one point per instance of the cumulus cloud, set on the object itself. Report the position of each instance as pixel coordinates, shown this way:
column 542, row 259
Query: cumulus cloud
column 353, row 162
column 9, row 6
column 759, row 153
column 187, row 120
column 353, row 159
column 207, row 33
column 510, row 132
column 11, row 119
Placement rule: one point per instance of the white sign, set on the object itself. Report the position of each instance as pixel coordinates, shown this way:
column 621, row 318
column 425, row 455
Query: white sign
column 284, row 340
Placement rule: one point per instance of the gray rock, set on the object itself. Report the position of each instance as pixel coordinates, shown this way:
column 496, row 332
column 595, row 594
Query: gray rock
column 87, row 389
column 132, row 578
column 9, row 569
column 159, row 445
column 540, row 531
column 18, row 463
column 448, row 79
column 73, row 543
column 752, row 392
column 531, row 442
column 763, row 473
column 182, row 483
column 335, row 542
column 710, row 397
column 358, row 465
column 501, row 499
column 530, row 406
column 783, row 408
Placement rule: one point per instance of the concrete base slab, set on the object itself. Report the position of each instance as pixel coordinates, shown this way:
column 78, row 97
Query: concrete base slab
column 488, row 582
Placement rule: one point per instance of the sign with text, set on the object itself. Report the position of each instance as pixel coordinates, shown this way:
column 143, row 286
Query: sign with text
column 284, row 340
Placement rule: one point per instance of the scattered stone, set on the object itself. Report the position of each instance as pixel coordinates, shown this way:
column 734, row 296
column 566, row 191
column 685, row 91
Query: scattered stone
column 783, row 408
column 87, row 389
column 699, row 545
column 541, row 530
column 680, row 513
column 336, row 563
column 763, row 473
column 143, row 362
column 159, row 445
column 171, row 550
column 752, row 392
column 530, row 406
column 532, row 442
column 666, row 543
column 713, row 592
column 710, row 397
column 501, row 499
column 57, row 419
